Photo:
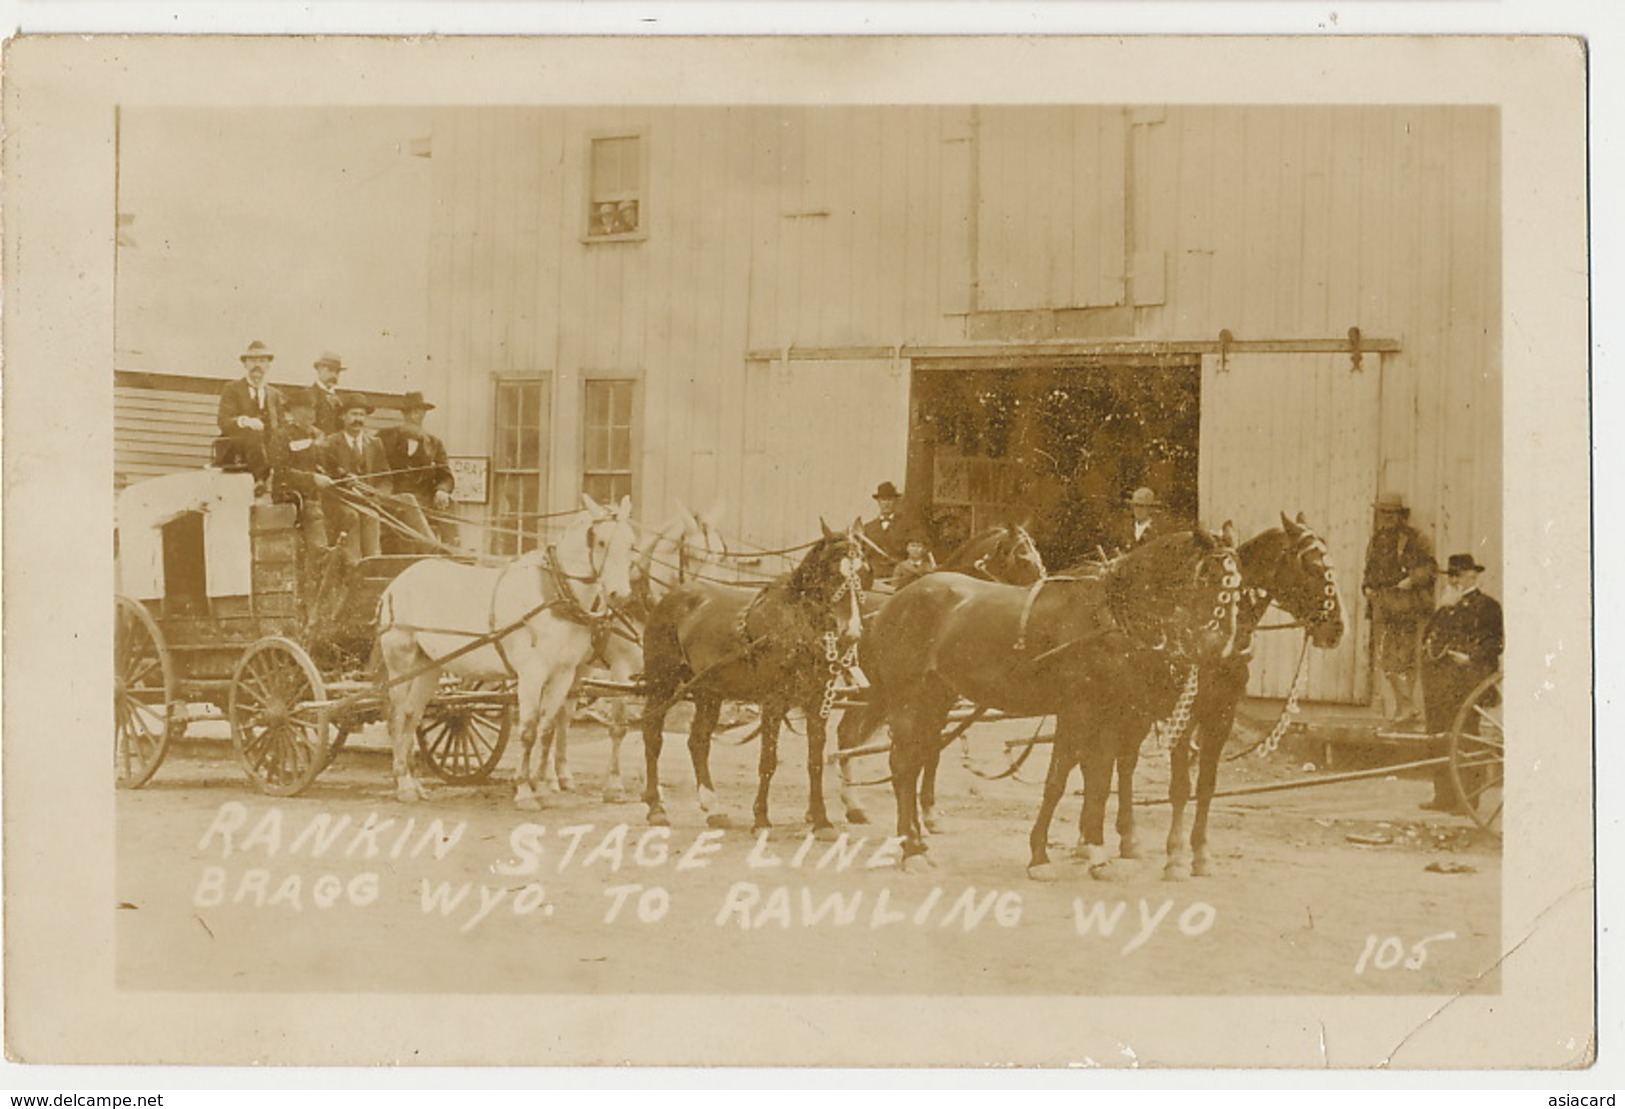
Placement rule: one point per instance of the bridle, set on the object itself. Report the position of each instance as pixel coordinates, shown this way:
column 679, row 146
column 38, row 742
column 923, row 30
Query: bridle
column 1327, row 607
column 602, row 608
column 1224, row 610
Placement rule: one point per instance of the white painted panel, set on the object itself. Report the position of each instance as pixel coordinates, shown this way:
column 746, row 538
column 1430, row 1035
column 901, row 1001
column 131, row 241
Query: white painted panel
column 822, row 435
column 1296, row 433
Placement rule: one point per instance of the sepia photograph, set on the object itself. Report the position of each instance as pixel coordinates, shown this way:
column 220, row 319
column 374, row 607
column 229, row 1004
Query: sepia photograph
column 749, row 554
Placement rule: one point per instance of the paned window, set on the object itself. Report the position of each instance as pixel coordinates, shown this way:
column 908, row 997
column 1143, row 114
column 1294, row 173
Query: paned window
column 518, row 464
column 615, row 188
column 607, row 437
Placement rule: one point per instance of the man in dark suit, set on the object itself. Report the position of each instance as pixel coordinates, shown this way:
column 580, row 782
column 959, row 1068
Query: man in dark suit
column 299, row 468
column 419, row 467
column 357, row 459
column 886, row 532
column 249, row 410
column 1142, row 524
column 325, row 393
column 1462, row 647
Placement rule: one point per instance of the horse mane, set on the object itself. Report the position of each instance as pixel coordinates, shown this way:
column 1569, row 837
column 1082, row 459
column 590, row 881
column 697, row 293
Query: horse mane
column 805, row 577
column 964, row 550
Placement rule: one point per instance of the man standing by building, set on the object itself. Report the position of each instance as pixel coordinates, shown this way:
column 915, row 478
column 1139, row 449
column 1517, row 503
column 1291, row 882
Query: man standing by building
column 249, row 410
column 419, row 468
column 1398, row 585
column 886, row 532
column 325, row 393
column 1462, row 647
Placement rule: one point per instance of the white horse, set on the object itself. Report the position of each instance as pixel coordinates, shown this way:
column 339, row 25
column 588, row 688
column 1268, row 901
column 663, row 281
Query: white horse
column 548, row 606
column 689, row 545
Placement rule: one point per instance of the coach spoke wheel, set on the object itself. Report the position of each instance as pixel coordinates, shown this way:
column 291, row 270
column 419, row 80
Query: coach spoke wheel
column 465, row 730
column 280, row 732
column 1478, row 755
column 145, row 714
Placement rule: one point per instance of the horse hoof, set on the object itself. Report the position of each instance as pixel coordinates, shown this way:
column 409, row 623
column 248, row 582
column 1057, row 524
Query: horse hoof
column 566, row 785
column 1129, row 851
column 825, row 833
column 918, row 864
column 614, row 796
column 1043, row 872
column 1108, row 872
column 1201, row 869
column 1081, row 852
column 719, row 820
column 659, row 819
column 1176, row 872
column 528, row 803
column 408, row 795
column 856, row 816
column 935, row 825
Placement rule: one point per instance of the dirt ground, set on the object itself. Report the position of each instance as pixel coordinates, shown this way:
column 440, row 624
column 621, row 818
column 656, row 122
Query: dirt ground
column 220, row 888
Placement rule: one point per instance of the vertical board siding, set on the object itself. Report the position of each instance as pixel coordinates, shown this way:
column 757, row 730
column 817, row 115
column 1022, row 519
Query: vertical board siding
column 773, row 226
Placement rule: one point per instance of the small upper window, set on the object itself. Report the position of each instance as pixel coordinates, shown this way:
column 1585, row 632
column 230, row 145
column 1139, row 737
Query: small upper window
column 615, row 190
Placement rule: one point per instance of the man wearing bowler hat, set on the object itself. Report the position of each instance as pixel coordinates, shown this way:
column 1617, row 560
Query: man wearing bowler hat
column 249, row 410
column 419, row 467
column 1398, row 585
column 325, row 393
column 886, row 532
column 1462, row 647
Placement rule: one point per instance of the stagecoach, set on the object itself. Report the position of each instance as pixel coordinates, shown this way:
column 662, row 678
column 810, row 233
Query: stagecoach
column 221, row 614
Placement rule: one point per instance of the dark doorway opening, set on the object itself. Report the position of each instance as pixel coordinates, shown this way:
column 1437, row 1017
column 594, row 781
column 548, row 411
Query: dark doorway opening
column 1057, row 446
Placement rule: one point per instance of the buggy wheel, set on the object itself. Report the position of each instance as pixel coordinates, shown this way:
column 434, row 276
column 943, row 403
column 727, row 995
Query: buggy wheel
column 465, row 729
column 146, row 715
column 278, row 726
column 1478, row 755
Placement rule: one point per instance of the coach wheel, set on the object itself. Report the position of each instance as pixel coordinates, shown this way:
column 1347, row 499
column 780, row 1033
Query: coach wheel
column 279, row 724
column 465, row 730
column 1478, row 755
column 146, row 715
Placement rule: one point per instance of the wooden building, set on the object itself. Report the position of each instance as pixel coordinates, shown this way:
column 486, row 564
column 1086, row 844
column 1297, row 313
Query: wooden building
column 1016, row 310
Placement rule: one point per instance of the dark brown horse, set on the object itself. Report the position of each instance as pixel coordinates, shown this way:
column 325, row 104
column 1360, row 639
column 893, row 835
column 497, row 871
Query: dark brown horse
column 770, row 646
column 1076, row 648
column 1286, row 566
column 1000, row 553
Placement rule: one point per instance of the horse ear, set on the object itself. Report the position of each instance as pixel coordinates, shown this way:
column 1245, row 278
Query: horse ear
column 827, row 533
column 591, row 505
column 1286, row 524
column 1229, row 533
column 1303, row 520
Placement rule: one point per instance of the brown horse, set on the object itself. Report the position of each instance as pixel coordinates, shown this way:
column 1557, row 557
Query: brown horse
column 1000, row 553
column 1286, row 566
column 1075, row 648
column 776, row 646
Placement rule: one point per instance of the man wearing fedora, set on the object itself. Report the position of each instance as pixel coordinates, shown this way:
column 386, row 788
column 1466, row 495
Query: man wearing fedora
column 1398, row 586
column 357, row 458
column 419, row 468
column 325, row 393
column 1462, row 647
column 249, row 410
column 1142, row 524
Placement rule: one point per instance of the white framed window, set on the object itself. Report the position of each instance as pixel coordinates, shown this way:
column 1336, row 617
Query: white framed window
column 617, row 188
column 521, row 419
column 608, row 435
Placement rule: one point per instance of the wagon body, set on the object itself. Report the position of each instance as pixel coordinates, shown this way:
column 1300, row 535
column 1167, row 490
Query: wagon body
column 220, row 606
